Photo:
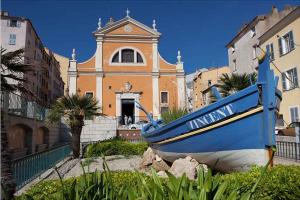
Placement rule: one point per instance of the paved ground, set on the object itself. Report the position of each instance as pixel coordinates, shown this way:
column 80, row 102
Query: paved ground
column 284, row 161
column 115, row 163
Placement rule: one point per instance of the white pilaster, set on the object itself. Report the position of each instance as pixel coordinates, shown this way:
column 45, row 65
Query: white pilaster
column 155, row 67
column 155, row 95
column 99, row 91
column 72, row 77
column 181, row 91
column 99, row 54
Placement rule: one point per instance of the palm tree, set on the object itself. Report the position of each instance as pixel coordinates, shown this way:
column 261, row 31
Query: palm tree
column 230, row 84
column 12, row 79
column 74, row 109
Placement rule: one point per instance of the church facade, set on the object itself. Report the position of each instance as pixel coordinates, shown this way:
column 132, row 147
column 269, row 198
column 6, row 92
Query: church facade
column 127, row 67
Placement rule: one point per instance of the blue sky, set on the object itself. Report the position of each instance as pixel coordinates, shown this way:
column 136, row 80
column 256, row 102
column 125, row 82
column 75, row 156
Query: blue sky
column 200, row 29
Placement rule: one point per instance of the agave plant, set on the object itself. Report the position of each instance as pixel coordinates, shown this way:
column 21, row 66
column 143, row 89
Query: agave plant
column 173, row 114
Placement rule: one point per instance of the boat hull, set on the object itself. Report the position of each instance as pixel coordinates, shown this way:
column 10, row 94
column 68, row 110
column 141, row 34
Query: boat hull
column 234, row 160
column 231, row 134
column 236, row 145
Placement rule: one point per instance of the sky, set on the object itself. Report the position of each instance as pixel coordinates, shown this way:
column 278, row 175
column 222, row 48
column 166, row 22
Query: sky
column 199, row 29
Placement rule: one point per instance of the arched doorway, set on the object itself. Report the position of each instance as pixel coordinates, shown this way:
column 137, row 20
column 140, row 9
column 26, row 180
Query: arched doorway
column 41, row 139
column 20, row 140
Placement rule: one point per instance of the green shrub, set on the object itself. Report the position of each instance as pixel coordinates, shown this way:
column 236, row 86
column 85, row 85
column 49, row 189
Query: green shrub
column 173, row 114
column 280, row 182
column 115, row 147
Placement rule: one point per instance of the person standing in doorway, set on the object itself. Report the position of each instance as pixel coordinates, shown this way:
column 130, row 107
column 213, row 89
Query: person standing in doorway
column 126, row 120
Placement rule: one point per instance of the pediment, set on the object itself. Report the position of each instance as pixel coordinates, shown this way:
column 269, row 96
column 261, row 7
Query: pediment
column 127, row 26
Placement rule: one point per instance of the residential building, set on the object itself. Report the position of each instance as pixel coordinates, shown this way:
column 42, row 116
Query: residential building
column 127, row 68
column 242, row 49
column 64, row 66
column 282, row 42
column 19, row 33
column 24, row 112
column 203, row 81
column 189, row 78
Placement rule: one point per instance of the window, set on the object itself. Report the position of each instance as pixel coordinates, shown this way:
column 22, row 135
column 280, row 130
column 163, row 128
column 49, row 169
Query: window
column 12, row 39
column 253, row 32
column 234, row 65
column 270, row 51
column 89, row 94
column 232, row 48
column 294, row 111
column 127, row 56
column 209, row 83
column 164, row 97
column 13, row 23
column 164, row 109
column 289, row 79
column 116, row 58
column 286, row 43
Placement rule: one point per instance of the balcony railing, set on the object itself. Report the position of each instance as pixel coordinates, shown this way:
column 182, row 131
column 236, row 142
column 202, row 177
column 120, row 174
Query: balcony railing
column 17, row 105
column 290, row 150
column 29, row 167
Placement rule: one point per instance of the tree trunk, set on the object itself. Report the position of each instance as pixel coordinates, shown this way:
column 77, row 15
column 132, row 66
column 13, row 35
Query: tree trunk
column 8, row 186
column 76, row 132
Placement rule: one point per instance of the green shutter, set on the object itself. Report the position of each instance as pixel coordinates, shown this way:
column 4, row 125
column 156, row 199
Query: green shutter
column 280, row 46
column 268, row 51
column 283, row 80
column 292, row 45
column 295, row 77
column 272, row 51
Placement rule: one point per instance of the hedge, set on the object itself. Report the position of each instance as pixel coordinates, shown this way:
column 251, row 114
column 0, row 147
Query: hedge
column 115, row 147
column 280, row 182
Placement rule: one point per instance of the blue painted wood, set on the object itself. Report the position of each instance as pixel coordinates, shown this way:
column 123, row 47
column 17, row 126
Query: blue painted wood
column 27, row 168
column 256, row 131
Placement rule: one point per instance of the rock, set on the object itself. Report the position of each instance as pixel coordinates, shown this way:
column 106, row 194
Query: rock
column 204, row 166
column 187, row 165
column 159, row 164
column 162, row 174
column 157, row 158
column 148, row 158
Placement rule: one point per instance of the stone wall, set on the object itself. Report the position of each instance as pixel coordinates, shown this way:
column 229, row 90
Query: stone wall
column 102, row 128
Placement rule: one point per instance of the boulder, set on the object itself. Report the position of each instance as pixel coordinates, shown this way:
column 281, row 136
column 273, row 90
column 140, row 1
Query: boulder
column 162, row 174
column 159, row 164
column 186, row 166
column 148, row 158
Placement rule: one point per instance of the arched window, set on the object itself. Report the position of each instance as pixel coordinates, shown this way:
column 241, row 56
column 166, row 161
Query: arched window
column 127, row 55
column 116, row 58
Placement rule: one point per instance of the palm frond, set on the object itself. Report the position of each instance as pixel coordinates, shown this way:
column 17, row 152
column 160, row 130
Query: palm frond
column 72, row 108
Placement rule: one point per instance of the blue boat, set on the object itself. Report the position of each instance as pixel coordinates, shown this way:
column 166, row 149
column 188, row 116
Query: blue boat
column 231, row 134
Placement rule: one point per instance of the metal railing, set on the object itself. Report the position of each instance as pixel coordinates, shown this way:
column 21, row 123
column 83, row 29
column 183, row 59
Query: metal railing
column 18, row 105
column 290, row 150
column 29, row 167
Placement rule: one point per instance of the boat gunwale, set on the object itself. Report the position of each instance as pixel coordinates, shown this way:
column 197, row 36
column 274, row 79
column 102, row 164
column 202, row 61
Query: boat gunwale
column 234, row 97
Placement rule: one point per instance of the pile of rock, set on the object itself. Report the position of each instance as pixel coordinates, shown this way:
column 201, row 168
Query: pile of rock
column 187, row 165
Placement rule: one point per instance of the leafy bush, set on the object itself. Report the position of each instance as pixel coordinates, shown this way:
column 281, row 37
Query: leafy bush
column 281, row 182
column 115, row 147
column 173, row 114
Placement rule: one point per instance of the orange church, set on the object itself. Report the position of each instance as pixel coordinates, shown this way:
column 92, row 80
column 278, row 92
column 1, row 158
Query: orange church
column 127, row 67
